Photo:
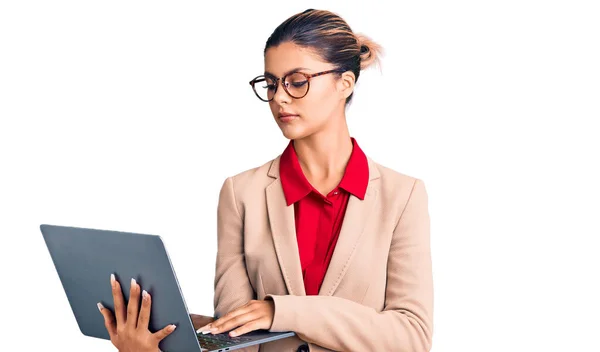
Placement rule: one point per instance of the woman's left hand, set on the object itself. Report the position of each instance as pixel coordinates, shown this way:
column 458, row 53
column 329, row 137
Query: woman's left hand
column 254, row 315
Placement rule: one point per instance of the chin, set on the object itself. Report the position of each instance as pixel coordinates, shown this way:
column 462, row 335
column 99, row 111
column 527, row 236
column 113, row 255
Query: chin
column 292, row 132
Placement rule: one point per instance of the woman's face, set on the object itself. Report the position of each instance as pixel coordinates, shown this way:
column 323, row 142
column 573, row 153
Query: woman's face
column 326, row 96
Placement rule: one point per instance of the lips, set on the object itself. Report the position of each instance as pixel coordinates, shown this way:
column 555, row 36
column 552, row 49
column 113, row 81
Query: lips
column 287, row 118
column 283, row 114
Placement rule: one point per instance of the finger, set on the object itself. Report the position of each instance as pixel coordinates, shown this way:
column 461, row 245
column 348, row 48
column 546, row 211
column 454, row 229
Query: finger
column 246, row 328
column 201, row 321
column 205, row 329
column 133, row 304
column 144, row 318
column 166, row 331
column 231, row 315
column 109, row 320
column 118, row 300
column 233, row 323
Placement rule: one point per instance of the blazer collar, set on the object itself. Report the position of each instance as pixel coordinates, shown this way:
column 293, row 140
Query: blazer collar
column 283, row 230
column 296, row 186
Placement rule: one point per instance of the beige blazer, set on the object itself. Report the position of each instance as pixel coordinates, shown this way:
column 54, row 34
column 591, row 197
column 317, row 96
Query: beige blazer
column 377, row 294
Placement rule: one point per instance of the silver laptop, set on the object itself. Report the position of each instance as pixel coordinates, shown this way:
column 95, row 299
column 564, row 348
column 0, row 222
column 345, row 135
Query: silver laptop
column 85, row 258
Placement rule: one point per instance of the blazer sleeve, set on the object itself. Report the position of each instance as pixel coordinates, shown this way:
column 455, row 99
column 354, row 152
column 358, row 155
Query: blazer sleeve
column 232, row 285
column 406, row 322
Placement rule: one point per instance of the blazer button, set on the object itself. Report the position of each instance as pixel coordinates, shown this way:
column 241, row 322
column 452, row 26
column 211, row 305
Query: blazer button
column 302, row 348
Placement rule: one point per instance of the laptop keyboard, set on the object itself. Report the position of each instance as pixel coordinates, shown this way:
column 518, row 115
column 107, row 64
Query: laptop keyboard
column 219, row 341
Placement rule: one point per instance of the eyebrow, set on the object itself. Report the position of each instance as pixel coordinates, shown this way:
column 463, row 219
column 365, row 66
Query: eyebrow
column 288, row 72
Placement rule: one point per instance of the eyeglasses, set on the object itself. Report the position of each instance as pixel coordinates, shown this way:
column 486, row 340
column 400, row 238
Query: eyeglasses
column 295, row 84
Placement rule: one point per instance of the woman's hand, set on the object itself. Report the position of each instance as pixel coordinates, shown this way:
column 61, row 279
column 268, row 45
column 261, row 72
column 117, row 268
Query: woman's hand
column 254, row 315
column 200, row 320
column 129, row 332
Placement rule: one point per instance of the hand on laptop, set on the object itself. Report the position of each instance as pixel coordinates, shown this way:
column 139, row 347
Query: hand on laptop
column 200, row 320
column 254, row 315
column 129, row 331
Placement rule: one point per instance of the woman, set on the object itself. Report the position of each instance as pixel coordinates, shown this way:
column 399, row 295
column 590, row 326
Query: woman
column 321, row 240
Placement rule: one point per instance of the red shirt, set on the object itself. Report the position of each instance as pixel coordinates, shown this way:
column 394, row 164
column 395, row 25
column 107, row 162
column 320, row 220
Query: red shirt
column 319, row 217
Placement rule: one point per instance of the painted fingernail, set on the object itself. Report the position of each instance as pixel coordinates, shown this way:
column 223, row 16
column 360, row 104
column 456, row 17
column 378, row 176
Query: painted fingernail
column 172, row 327
column 100, row 306
column 132, row 282
column 112, row 279
column 144, row 294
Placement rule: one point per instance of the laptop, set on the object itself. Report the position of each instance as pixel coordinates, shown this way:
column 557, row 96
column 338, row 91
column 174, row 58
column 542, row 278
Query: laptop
column 84, row 260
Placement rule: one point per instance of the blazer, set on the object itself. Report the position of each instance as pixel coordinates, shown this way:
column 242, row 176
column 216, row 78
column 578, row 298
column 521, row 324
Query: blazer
column 377, row 294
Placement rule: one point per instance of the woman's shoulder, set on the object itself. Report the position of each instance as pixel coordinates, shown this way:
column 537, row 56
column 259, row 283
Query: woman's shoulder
column 396, row 188
column 261, row 174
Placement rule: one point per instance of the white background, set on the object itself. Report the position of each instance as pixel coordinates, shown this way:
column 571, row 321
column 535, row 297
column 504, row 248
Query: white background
column 129, row 115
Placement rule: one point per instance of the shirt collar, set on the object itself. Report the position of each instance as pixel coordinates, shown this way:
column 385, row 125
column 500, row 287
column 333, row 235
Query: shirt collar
column 295, row 185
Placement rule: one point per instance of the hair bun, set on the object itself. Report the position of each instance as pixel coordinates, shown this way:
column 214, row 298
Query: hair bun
column 369, row 51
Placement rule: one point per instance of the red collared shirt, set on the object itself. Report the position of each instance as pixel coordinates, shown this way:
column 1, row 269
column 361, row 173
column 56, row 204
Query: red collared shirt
column 319, row 217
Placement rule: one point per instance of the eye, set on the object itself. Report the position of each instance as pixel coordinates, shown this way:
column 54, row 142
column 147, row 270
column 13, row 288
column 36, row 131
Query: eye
column 296, row 80
column 299, row 84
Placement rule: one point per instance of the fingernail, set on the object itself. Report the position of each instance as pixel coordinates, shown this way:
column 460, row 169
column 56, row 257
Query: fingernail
column 112, row 279
column 100, row 306
column 172, row 327
column 144, row 294
column 132, row 282
column 233, row 333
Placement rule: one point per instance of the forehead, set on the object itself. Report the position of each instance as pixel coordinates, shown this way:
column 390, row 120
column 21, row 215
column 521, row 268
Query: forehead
column 287, row 56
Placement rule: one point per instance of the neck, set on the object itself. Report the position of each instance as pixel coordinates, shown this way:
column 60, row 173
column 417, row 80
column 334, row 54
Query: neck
column 324, row 155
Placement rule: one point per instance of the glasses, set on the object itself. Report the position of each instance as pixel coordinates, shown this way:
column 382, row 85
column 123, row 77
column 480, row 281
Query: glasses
column 295, row 84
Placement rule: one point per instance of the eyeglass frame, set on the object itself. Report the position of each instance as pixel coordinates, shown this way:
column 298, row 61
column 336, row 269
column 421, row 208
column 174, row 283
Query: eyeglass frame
column 282, row 79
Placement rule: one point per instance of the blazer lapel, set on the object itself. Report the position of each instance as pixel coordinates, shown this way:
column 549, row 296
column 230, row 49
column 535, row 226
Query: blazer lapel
column 283, row 230
column 358, row 213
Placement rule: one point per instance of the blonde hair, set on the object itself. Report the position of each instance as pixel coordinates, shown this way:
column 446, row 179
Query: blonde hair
column 370, row 51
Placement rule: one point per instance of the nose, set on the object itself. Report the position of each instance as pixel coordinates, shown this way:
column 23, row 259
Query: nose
column 281, row 95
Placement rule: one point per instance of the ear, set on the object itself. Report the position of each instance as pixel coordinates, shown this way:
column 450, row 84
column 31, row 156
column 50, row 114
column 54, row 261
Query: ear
column 346, row 84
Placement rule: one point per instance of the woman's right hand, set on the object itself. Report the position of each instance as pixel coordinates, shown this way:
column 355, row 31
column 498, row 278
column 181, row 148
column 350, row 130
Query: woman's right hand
column 129, row 331
column 200, row 320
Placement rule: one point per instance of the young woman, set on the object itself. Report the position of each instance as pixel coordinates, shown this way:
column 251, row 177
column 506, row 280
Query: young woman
column 321, row 240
